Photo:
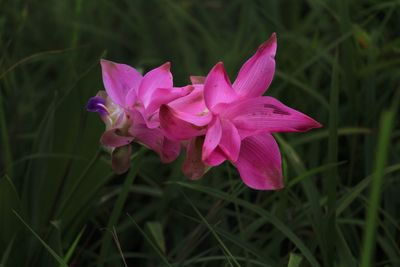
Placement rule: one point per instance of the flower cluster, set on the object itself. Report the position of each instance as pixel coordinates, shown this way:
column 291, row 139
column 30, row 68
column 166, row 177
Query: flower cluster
column 212, row 118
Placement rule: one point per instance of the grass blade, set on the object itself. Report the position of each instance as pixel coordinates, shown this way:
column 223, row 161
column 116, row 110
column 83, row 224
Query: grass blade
column 116, row 213
column 272, row 219
column 148, row 239
column 386, row 124
column 47, row 247
column 221, row 243
column 332, row 176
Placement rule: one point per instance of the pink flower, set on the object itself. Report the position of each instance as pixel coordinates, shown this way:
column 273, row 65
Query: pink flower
column 234, row 122
column 129, row 108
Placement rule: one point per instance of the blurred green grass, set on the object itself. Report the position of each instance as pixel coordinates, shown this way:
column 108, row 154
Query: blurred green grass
column 338, row 61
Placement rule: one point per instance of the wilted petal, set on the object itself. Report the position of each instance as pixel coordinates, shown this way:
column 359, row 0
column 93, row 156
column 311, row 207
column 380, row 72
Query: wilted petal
column 217, row 87
column 156, row 141
column 230, row 141
column 118, row 79
column 259, row 162
column 181, row 126
column 115, row 138
column 121, row 159
column 197, row 79
column 170, row 150
column 256, row 74
column 193, row 167
column 253, row 115
column 160, row 77
column 213, row 138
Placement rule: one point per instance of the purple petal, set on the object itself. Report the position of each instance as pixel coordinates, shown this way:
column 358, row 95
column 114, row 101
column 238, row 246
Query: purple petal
column 257, row 73
column 259, row 163
column 97, row 104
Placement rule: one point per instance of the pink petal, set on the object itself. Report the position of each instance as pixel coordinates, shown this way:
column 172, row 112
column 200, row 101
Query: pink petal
column 192, row 103
column 217, row 87
column 118, row 79
column 267, row 114
column 259, row 163
column 115, row 138
column 165, row 95
column 256, row 74
column 155, row 140
column 170, row 150
column 121, row 159
column 213, row 138
column 197, row 79
column 230, row 141
column 160, row 77
column 181, row 126
column 193, row 167
column 215, row 158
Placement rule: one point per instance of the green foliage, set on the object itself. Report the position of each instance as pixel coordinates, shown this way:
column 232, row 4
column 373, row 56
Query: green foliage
column 60, row 204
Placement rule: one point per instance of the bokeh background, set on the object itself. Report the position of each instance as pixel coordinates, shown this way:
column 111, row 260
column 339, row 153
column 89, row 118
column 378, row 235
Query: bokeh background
column 60, row 204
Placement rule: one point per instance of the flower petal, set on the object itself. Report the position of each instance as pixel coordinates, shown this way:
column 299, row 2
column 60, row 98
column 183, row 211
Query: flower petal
column 160, row 77
column 114, row 138
column 215, row 158
column 197, row 79
column 170, row 150
column 193, row 167
column 164, row 96
column 213, row 138
column 118, row 79
column 121, row 159
column 155, row 140
column 192, row 103
column 181, row 126
column 259, row 163
column 230, row 141
column 266, row 113
column 256, row 74
column 97, row 104
column 217, row 87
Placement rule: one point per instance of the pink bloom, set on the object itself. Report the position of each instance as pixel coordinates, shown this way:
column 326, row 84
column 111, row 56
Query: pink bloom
column 129, row 108
column 234, row 121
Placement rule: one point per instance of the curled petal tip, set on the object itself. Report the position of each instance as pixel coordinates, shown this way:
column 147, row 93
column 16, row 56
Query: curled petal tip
column 97, row 104
column 166, row 66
